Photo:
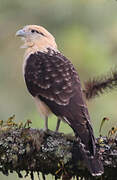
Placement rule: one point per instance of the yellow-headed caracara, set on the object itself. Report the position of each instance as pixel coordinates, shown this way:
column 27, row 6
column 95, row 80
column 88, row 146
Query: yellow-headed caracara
column 55, row 86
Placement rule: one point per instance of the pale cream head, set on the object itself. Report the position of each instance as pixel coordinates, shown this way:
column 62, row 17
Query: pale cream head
column 36, row 38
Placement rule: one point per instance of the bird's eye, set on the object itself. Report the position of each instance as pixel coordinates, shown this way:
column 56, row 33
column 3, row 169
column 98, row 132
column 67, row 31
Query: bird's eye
column 34, row 31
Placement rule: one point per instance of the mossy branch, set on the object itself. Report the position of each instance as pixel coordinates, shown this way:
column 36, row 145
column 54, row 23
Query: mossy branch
column 33, row 150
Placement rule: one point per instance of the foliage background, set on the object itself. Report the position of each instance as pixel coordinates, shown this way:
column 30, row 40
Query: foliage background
column 85, row 31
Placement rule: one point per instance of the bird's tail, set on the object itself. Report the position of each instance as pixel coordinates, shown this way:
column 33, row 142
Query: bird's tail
column 79, row 120
column 95, row 166
column 92, row 162
column 87, row 148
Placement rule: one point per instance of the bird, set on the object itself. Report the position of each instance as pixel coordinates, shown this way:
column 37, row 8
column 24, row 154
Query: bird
column 54, row 84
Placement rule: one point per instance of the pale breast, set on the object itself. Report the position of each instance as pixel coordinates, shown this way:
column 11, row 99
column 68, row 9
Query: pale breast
column 43, row 109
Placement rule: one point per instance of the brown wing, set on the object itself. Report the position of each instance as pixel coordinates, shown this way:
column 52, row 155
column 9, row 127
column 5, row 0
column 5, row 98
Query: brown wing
column 51, row 77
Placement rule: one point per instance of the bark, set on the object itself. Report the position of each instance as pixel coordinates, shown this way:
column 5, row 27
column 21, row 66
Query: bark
column 33, row 150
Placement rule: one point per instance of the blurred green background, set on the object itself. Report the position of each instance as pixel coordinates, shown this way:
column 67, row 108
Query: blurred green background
column 85, row 31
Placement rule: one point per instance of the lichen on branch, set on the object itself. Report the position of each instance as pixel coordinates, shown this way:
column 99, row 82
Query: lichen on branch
column 32, row 150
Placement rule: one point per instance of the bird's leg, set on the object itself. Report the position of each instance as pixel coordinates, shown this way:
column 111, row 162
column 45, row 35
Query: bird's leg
column 58, row 124
column 46, row 124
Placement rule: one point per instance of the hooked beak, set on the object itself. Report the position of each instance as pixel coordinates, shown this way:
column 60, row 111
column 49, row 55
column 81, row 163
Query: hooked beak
column 21, row 33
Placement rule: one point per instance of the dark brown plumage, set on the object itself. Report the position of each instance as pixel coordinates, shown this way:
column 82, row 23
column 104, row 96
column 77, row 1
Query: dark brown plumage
column 54, row 83
column 51, row 77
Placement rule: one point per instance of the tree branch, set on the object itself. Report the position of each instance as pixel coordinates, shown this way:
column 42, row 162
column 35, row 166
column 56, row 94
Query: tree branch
column 34, row 150
column 99, row 85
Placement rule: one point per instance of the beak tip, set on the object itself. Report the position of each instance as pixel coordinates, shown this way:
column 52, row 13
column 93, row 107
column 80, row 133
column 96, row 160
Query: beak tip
column 16, row 33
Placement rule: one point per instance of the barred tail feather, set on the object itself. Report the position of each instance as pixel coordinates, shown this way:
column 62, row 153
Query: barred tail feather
column 93, row 163
column 87, row 148
column 96, row 167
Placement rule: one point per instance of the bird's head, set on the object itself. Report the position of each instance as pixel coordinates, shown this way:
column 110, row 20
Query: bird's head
column 37, row 38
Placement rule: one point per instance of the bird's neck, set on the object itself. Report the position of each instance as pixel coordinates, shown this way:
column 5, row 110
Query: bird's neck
column 39, row 46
